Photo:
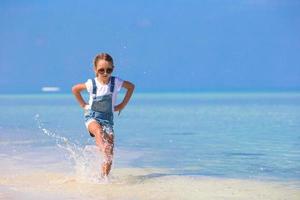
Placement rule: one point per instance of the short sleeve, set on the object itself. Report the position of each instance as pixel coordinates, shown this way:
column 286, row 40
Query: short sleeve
column 89, row 85
column 118, row 84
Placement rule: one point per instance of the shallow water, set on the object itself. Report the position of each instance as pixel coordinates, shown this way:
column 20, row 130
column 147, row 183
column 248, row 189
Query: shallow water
column 176, row 136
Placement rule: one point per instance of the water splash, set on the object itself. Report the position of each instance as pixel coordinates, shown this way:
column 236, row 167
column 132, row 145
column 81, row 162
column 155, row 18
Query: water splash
column 87, row 160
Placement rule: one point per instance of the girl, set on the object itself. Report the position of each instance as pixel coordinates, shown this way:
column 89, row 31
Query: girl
column 98, row 115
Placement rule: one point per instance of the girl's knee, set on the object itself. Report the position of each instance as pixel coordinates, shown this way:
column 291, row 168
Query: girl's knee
column 99, row 133
column 99, row 139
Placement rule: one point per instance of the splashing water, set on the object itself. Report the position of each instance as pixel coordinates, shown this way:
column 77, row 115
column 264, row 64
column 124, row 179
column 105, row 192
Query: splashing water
column 87, row 160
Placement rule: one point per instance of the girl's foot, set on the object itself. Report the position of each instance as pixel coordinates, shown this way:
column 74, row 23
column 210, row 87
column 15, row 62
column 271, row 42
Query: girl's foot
column 104, row 178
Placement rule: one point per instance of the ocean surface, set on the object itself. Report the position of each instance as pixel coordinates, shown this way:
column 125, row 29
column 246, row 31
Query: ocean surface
column 249, row 136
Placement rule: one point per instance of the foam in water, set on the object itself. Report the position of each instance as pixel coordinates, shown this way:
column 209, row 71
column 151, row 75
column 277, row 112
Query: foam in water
column 87, row 160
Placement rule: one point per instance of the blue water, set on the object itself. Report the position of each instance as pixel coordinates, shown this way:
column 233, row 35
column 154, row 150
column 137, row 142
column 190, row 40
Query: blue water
column 238, row 135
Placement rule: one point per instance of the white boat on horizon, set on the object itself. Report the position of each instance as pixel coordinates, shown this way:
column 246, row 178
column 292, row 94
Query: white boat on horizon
column 50, row 89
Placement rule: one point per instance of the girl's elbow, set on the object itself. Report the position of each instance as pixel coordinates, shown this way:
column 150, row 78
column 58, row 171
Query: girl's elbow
column 128, row 85
column 131, row 87
column 74, row 89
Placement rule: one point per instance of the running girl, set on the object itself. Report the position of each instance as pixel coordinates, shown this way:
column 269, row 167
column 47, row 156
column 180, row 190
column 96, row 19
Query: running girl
column 99, row 110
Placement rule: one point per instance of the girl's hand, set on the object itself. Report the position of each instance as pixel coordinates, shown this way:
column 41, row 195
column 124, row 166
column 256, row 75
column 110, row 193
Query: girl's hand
column 86, row 107
column 119, row 107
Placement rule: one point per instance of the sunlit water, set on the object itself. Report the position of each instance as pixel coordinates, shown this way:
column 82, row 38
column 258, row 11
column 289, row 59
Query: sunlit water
column 233, row 135
column 252, row 136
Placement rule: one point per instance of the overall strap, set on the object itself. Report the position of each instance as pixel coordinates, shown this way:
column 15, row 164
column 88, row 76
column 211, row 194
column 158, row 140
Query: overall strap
column 112, row 84
column 94, row 87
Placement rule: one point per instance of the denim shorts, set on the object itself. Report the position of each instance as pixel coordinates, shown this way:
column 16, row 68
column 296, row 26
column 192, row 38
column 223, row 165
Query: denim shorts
column 104, row 119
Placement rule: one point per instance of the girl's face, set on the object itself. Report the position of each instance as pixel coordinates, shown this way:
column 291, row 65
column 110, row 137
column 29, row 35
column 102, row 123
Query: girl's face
column 103, row 69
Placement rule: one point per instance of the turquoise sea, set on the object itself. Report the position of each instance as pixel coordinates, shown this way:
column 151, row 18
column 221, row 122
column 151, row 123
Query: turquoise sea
column 252, row 136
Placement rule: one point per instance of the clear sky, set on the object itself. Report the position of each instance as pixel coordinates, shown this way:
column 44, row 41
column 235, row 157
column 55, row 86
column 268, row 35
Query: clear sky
column 160, row 45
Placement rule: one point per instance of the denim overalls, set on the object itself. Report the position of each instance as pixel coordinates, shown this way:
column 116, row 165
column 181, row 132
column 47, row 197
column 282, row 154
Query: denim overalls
column 102, row 108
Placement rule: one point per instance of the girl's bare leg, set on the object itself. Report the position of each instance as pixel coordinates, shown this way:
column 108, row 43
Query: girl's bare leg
column 105, row 142
column 108, row 153
column 96, row 129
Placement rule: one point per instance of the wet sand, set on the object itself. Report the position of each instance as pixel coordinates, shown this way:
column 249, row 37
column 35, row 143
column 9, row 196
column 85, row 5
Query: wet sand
column 136, row 183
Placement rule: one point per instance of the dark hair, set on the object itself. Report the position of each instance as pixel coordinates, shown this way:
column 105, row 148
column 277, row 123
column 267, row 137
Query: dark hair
column 103, row 56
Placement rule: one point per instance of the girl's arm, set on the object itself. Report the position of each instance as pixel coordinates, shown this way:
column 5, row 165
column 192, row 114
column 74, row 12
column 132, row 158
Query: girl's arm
column 130, row 87
column 76, row 89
